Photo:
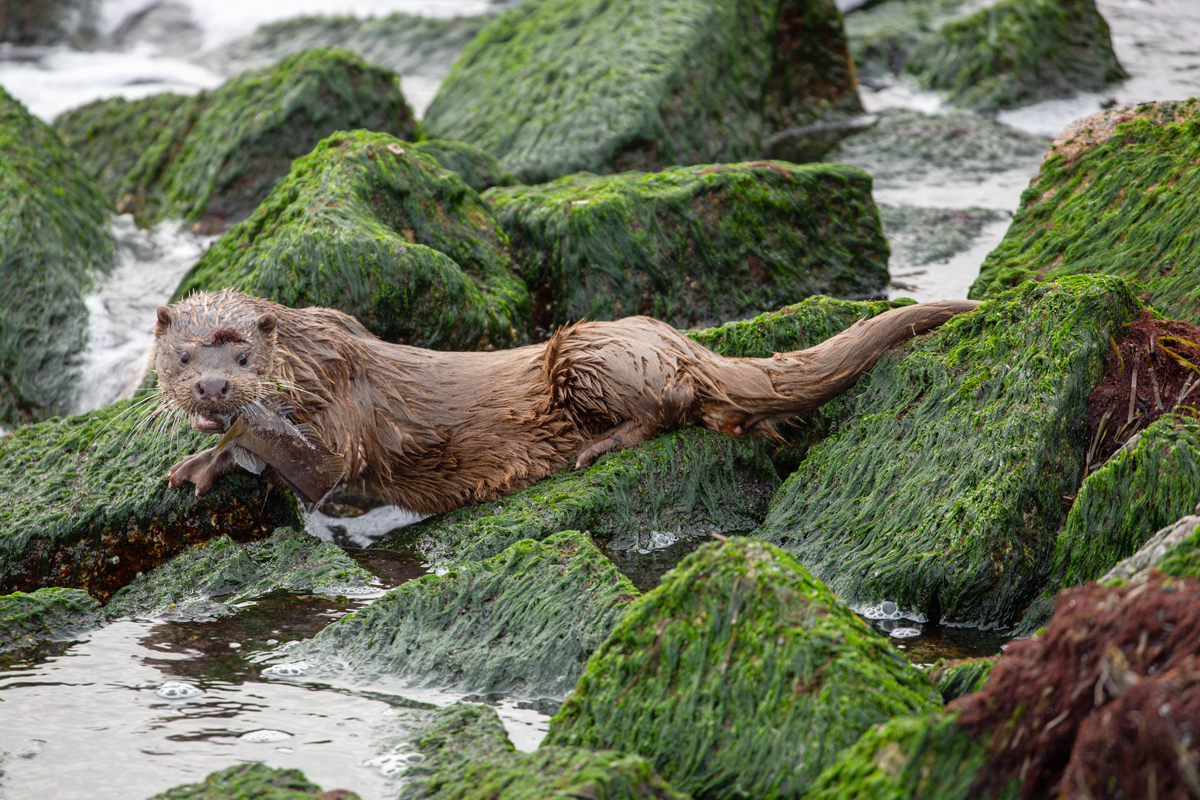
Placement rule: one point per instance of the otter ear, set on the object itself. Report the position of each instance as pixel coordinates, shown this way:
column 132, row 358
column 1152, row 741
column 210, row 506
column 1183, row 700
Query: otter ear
column 266, row 324
column 164, row 321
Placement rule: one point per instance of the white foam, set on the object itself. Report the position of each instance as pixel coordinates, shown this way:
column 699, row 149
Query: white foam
column 265, row 736
column 176, row 690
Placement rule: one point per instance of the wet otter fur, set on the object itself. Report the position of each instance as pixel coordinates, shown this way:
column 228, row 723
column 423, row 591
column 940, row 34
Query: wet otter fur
column 430, row 431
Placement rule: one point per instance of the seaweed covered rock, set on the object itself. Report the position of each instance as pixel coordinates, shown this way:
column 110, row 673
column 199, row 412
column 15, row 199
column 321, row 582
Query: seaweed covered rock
column 564, row 86
column 944, row 492
column 1017, row 52
column 961, row 676
column 479, row 170
column 254, row 780
column 1118, row 202
column 214, row 157
column 695, row 245
column 468, row 757
column 740, row 675
column 1100, row 705
column 86, row 502
column 368, row 226
column 187, row 586
column 51, row 614
column 54, row 242
column 48, row 22
column 1173, row 550
column 687, row 483
column 522, row 622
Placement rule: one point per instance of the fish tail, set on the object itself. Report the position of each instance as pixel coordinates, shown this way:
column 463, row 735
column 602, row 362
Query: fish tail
column 335, row 463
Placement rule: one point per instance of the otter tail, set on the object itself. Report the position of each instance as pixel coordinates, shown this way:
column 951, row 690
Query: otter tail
column 749, row 395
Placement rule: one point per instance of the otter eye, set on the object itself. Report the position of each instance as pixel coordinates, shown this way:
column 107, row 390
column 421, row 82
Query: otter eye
column 185, row 358
column 241, row 359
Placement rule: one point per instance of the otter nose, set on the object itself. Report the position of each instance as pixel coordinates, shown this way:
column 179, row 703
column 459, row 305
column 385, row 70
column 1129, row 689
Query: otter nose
column 212, row 389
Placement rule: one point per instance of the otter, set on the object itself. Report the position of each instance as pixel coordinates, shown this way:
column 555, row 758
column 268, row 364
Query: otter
column 430, row 431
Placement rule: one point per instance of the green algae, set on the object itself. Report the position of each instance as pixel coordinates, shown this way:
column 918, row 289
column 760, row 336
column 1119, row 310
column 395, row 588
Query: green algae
column 54, row 242
column 369, row 226
column 213, row 158
column 468, row 757
column 1123, row 207
column 695, row 245
column 944, row 492
column 1184, row 560
column 45, row 615
column 883, row 35
column 563, row 86
column 912, row 758
column 479, row 170
column 208, row 580
column 956, row 678
column 252, row 781
column 86, row 502
column 522, row 622
column 687, row 483
column 1017, row 52
column 741, row 675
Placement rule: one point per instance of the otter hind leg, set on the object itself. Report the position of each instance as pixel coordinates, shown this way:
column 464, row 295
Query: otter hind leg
column 627, row 434
column 202, row 469
column 653, row 415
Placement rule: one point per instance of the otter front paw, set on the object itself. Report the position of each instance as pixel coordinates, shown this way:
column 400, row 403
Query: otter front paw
column 201, row 469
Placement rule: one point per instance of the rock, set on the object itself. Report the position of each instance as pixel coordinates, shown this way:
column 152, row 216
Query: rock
column 1086, row 133
column 920, row 236
column 944, row 491
column 741, row 675
column 254, row 780
column 693, row 246
column 1093, row 707
column 701, row 82
column 368, row 225
column 185, row 586
column 1152, row 481
column 522, row 622
column 48, row 22
column 961, row 676
column 1173, row 550
column 87, row 504
column 468, row 757
column 1124, row 206
column 219, row 154
column 45, row 615
column 685, row 484
column 479, row 170
column 1017, row 52
column 54, row 242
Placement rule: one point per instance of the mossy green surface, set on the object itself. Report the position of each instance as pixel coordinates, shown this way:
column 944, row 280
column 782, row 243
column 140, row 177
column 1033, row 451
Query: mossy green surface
column 215, row 157
column 1124, row 207
column 207, row 580
column 563, row 86
column 912, row 758
column 479, row 170
column 689, row 483
column 54, row 241
column 1018, row 52
column 45, row 615
column 86, row 502
column 695, row 245
column 883, row 35
column 468, row 757
column 741, row 675
column 252, row 781
column 957, row 678
column 944, row 492
column 384, row 233
column 522, row 622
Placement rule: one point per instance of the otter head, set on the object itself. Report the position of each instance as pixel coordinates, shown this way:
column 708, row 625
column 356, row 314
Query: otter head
column 213, row 356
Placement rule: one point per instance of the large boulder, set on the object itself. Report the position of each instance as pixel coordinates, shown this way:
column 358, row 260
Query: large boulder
column 212, row 158
column 741, row 675
column 944, row 491
column 467, row 756
column 254, row 780
column 687, row 484
column 1115, row 195
column 693, row 246
column 563, row 86
column 1100, row 705
column 1019, row 51
column 54, row 242
column 523, row 622
column 369, row 226
column 87, row 503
